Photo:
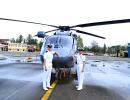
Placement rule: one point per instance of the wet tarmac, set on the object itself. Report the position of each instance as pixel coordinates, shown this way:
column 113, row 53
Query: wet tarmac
column 104, row 80
column 21, row 82
column 19, row 57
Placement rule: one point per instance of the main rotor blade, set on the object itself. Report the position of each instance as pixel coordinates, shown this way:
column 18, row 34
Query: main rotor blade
column 27, row 22
column 51, row 30
column 88, row 33
column 102, row 23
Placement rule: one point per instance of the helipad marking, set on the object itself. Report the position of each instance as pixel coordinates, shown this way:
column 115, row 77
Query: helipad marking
column 48, row 93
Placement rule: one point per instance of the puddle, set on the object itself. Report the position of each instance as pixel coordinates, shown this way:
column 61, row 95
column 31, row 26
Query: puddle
column 93, row 65
column 96, row 61
column 15, row 59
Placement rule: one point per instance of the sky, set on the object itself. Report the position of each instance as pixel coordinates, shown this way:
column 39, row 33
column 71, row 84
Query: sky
column 67, row 12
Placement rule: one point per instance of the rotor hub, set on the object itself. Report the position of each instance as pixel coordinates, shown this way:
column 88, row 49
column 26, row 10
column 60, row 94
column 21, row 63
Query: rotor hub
column 64, row 28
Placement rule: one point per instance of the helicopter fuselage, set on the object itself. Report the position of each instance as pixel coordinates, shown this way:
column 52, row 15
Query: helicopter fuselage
column 65, row 46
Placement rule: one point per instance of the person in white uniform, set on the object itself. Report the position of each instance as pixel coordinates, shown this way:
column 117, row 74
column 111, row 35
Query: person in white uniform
column 47, row 67
column 41, row 53
column 80, row 68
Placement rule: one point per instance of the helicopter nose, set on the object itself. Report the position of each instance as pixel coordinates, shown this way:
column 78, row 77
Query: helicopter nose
column 63, row 52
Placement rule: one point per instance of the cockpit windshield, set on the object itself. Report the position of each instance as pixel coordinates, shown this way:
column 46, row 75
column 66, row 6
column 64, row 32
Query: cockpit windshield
column 52, row 40
column 60, row 41
column 66, row 41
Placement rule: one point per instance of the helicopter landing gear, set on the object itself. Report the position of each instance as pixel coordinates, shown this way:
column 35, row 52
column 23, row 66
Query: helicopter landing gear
column 63, row 74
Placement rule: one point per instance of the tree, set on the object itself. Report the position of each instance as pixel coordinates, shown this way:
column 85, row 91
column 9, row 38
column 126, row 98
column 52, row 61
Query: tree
column 29, row 39
column 99, row 50
column 86, row 48
column 109, row 50
column 118, row 50
column 40, row 44
column 123, row 48
column 104, row 49
column 19, row 39
column 94, row 47
column 35, row 41
column 24, row 41
column 12, row 40
column 79, row 42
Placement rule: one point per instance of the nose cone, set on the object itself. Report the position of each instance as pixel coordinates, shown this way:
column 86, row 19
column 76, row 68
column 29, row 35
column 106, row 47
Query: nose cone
column 63, row 52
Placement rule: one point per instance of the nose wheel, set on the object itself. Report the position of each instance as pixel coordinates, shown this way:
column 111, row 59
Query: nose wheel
column 63, row 73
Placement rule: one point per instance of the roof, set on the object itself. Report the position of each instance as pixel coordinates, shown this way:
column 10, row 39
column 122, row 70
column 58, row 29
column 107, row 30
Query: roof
column 1, row 40
column 2, row 45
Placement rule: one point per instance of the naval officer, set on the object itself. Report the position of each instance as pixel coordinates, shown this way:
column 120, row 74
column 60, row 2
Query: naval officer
column 80, row 68
column 47, row 67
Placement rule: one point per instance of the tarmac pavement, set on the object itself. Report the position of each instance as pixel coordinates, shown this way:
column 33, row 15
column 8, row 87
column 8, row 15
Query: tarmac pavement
column 21, row 82
column 104, row 80
column 101, row 82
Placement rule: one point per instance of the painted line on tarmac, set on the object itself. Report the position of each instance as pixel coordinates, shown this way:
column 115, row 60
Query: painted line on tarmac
column 49, row 92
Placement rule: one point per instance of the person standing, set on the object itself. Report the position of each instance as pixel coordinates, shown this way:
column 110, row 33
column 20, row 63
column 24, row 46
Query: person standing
column 80, row 68
column 47, row 67
column 41, row 53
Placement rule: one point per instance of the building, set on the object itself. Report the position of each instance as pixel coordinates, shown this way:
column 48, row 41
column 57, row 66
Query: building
column 4, row 44
column 17, row 47
column 4, row 41
column 3, row 47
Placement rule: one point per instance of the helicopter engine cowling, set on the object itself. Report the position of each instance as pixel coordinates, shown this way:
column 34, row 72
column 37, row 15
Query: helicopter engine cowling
column 41, row 34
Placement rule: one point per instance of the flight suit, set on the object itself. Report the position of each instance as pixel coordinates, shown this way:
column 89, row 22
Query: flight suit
column 80, row 74
column 47, row 74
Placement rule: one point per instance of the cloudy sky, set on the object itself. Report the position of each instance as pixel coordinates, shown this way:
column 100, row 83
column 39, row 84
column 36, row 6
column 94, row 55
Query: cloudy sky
column 67, row 12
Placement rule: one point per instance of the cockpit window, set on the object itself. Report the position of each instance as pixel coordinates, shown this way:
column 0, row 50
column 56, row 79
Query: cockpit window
column 52, row 40
column 60, row 41
column 65, row 41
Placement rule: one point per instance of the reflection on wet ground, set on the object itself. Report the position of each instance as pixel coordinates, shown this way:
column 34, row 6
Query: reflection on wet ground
column 13, row 59
column 112, row 75
column 103, row 81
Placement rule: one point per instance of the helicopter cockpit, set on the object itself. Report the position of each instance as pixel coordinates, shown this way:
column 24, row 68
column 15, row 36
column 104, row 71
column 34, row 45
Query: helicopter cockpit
column 61, row 44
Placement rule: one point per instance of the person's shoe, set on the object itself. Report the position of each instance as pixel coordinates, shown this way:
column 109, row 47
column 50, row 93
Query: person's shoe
column 79, row 88
column 50, row 87
column 45, row 89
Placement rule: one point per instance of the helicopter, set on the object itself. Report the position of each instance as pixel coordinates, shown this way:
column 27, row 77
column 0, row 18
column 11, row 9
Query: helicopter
column 64, row 42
